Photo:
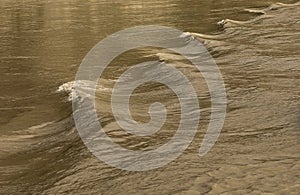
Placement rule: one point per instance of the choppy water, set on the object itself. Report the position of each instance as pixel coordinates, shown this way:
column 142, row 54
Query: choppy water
column 257, row 50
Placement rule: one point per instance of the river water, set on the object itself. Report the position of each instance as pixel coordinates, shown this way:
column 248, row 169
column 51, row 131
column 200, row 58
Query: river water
column 255, row 44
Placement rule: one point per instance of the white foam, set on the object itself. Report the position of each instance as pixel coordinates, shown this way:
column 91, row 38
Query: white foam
column 84, row 89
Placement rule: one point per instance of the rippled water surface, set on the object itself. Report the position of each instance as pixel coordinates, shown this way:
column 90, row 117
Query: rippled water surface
column 255, row 44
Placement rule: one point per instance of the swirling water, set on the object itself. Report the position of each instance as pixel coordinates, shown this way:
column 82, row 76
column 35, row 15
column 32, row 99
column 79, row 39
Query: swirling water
column 255, row 44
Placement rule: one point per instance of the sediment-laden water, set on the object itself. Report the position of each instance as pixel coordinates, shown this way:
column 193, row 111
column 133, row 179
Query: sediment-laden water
column 255, row 44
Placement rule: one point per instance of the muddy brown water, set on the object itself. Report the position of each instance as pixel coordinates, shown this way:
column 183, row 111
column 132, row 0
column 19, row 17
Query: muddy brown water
column 42, row 44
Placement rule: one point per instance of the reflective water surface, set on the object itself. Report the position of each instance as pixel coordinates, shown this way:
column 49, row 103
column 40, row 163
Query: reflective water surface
column 255, row 44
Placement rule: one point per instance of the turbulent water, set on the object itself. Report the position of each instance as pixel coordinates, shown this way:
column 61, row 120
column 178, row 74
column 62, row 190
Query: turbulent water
column 257, row 51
